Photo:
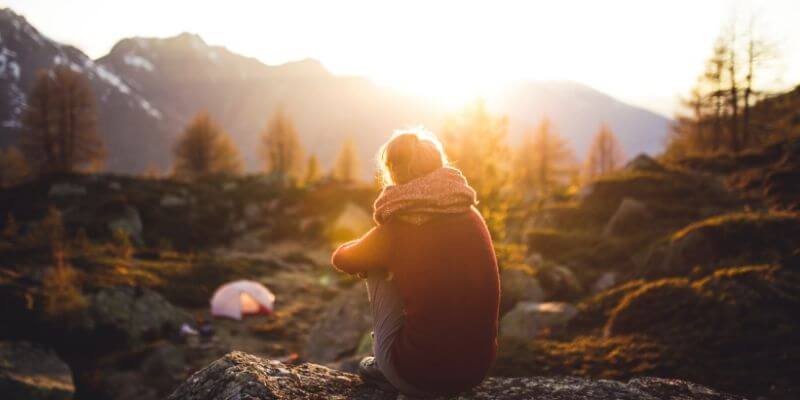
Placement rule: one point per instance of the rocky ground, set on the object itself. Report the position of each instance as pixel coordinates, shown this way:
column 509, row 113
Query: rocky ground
column 685, row 271
column 242, row 376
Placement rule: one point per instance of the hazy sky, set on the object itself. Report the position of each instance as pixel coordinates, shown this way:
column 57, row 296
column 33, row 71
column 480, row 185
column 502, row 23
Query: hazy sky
column 644, row 52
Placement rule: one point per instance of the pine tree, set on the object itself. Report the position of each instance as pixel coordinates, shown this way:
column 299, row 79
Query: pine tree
column 312, row 172
column 605, row 155
column 205, row 149
column 59, row 126
column 347, row 166
column 281, row 149
column 543, row 160
column 13, row 167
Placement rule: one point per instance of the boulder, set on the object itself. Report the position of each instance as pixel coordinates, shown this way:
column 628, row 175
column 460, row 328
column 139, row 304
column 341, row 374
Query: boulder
column 630, row 215
column 730, row 240
column 137, row 315
column 66, row 189
column 559, row 282
column 340, row 327
column 518, row 285
column 561, row 217
column 644, row 163
column 171, row 200
column 606, row 281
column 30, row 372
column 242, row 376
column 252, row 210
column 528, row 319
column 128, row 221
column 161, row 368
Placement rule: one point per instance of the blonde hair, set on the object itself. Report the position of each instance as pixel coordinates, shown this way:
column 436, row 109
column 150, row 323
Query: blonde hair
column 410, row 154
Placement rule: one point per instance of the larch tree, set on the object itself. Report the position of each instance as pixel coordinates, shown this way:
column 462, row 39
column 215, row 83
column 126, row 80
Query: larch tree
column 312, row 172
column 605, row 154
column 59, row 123
column 280, row 146
column 347, row 166
column 476, row 142
column 205, row 149
column 725, row 94
column 543, row 160
column 13, row 167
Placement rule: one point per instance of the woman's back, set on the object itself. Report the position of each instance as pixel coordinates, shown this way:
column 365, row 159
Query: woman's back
column 446, row 272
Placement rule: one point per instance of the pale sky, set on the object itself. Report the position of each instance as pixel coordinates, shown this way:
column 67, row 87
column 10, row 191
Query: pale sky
column 643, row 52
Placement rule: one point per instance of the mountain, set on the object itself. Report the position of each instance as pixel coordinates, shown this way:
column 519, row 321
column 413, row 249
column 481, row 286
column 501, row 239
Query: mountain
column 182, row 75
column 149, row 88
column 130, row 124
column 577, row 112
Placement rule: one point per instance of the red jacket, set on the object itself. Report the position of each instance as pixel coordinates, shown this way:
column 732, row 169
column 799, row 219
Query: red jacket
column 446, row 272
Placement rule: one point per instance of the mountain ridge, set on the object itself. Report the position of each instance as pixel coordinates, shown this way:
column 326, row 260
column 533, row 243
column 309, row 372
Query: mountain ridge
column 149, row 88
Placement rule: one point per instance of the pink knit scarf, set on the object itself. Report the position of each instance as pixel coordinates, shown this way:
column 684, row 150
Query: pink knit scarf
column 443, row 191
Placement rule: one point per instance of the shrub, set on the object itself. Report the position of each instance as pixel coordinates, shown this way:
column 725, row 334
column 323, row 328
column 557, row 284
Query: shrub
column 61, row 292
column 121, row 242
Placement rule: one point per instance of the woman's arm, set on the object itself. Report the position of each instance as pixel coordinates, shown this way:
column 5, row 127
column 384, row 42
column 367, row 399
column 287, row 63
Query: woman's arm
column 369, row 252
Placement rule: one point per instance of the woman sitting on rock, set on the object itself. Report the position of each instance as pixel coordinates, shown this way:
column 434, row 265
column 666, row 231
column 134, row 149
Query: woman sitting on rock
column 431, row 274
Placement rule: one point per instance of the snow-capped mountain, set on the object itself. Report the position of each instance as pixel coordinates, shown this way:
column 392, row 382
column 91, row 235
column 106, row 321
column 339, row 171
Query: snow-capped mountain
column 147, row 89
column 121, row 108
column 182, row 75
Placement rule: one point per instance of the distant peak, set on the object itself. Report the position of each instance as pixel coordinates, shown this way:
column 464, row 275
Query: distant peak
column 191, row 39
column 8, row 15
column 305, row 67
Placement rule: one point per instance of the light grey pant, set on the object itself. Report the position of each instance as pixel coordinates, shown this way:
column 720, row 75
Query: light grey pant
column 387, row 317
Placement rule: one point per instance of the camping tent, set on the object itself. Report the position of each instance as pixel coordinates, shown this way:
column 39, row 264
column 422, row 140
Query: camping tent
column 239, row 298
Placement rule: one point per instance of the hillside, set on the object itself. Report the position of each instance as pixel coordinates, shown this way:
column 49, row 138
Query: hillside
column 659, row 270
column 149, row 88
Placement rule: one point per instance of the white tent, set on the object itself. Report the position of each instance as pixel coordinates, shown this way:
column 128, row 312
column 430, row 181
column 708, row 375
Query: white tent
column 239, row 298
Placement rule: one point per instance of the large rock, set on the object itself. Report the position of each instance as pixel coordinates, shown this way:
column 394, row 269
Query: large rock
column 528, row 320
column 246, row 377
column 559, row 282
column 28, row 372
column 137, row 315
column 644, row 163
column 155, row 376
column 66, row 189
column 128, row 221
column 630, row 215
column 518, row 285
column 341, row 326
column 171, row 200
column 730, row 240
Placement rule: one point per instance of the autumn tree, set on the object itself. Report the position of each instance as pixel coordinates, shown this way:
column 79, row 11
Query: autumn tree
column 13, row 167
column 347, row 166
column 720, row 116
column 312, row 172
column 543, row 160
column 59, row 123
column 280, row 146
column 605, row 154
column 205, row 149
column 476, row 142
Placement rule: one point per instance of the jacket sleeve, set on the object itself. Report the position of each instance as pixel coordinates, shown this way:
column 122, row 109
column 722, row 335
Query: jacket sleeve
column 370, row 252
